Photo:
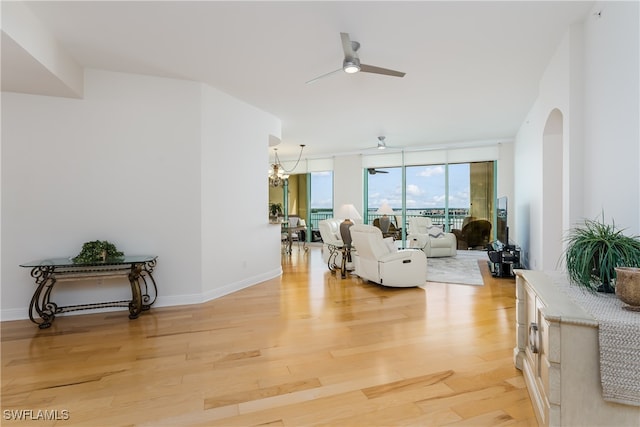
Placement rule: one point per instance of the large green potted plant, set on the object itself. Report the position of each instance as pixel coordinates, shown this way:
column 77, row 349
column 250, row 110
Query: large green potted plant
column 594, row 250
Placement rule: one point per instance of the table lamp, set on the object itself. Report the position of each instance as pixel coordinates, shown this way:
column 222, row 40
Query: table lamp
column 385, row 221
column 347, row 212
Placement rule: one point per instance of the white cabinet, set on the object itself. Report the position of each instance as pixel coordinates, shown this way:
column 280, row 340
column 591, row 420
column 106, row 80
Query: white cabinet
column 558, row 352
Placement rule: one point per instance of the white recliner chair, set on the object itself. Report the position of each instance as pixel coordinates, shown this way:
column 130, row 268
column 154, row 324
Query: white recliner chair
column 432, row 240
column 378, row 260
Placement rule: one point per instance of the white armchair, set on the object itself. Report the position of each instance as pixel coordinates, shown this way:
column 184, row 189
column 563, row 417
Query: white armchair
column 378, row 260
column 432, row 240
column 330, row 234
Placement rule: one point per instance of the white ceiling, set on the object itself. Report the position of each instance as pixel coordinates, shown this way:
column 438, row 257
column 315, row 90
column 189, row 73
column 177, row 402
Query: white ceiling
column 472, row 67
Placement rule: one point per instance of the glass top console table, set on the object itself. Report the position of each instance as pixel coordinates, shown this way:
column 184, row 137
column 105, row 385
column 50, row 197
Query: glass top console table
column 48, row 272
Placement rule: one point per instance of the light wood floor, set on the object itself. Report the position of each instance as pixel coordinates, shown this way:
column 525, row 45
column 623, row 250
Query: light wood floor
column 305, row 349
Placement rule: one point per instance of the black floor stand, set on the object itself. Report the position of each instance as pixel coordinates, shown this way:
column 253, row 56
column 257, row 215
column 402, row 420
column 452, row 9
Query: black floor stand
column 503, row 259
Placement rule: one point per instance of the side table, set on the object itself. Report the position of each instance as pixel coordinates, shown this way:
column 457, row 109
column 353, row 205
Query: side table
column 48, row 272
column 342, row 251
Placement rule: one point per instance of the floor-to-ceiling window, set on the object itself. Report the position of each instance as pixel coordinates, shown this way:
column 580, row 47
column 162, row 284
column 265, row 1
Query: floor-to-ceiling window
column 384, row 187
column 320, row 199
column 459, row 194
column 427, row 192
column 447, row 193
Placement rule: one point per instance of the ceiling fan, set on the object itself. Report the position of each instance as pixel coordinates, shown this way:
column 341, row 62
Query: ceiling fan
column 382, row 145
column 351, row 63
column 373, row 171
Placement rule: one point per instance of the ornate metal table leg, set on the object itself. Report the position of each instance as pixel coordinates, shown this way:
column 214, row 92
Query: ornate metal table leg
column 147, row 301
column 40, row 302
column 135, row 306
column 331, row 261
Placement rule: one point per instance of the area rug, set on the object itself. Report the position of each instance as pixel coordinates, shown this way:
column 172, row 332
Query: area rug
column 461, row 269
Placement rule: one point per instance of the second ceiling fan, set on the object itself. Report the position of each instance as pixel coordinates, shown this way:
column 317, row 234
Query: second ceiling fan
column 382, row 145
column 351, row 62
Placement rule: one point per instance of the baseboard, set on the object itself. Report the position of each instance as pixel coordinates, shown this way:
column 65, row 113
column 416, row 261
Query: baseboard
column 162, row 301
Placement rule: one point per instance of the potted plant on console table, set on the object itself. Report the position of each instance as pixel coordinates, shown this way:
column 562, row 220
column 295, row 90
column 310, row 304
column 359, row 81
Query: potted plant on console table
column 98, row 251
column 593, row 252
column 275, row 209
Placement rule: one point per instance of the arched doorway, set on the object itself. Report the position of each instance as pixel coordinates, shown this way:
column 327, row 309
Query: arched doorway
column 552, row 191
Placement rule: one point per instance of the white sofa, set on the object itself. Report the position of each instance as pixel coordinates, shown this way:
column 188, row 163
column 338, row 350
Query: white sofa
column 432, row 240
column 378, row 260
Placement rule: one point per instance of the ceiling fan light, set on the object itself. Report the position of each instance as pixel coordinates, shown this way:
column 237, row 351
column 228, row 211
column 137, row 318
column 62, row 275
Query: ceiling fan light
column 351, row 67
column 381, row 143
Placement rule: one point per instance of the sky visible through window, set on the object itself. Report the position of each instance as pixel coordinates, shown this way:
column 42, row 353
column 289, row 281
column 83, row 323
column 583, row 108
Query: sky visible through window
column 321, row 190
column 425, row 187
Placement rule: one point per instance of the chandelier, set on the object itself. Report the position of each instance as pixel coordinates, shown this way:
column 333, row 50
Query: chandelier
column 277, row 172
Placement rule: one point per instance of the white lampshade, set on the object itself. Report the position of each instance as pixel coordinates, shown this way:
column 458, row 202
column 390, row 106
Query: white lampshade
column 347, row 211
column 385, row 209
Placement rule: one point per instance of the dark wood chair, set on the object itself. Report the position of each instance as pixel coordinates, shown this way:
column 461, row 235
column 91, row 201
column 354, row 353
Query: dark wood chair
column 392, row 231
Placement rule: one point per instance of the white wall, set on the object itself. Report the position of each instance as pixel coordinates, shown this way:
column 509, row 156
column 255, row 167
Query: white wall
column 552, row 189
column 504, row 182
column 612, row 130
column 528, row 153
column 239, row 247
column 348, row 182
column 505, row 176
column 593, row 81
column 124, row 165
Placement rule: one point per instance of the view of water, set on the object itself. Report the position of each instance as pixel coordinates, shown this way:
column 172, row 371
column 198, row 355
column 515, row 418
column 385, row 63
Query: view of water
column 437, row 215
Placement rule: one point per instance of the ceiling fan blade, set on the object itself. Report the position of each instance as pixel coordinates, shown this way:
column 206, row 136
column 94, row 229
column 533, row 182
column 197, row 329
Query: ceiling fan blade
column 378, row 70
column 373, row 171
column 324, row 75
column 348, row 47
